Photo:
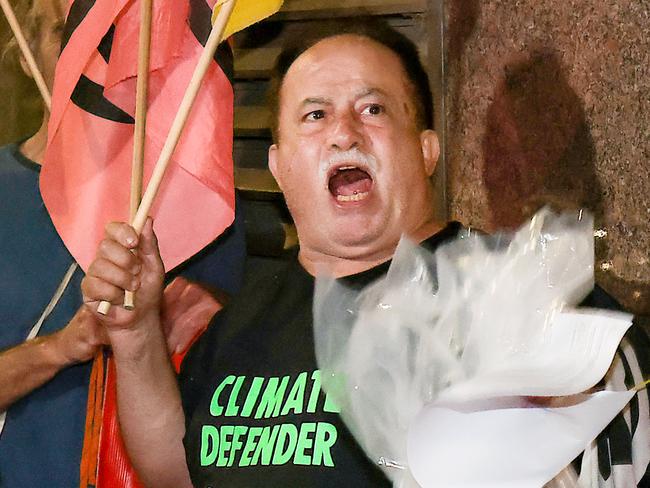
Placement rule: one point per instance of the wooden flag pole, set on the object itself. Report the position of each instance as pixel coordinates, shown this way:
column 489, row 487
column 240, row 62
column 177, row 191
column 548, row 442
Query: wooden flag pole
column 27, row 53
column 183, row 113
column 179, row 122
column 141, row 97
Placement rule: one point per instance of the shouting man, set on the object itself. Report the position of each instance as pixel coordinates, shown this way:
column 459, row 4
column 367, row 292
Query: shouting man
column 354, row 153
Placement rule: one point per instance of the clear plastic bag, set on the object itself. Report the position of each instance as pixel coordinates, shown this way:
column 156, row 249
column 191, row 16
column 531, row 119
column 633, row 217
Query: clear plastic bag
column 459, row 325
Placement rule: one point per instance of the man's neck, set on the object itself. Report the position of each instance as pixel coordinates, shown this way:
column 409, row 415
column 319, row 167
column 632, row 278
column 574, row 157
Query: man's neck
column 316, row 263
column 34, row 147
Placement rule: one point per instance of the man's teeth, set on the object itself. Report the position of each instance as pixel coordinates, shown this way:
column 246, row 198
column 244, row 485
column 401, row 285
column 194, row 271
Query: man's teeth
column 352, row 198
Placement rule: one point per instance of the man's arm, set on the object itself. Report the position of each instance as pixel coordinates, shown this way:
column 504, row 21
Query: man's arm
column 23, row 368
column 31, row 364
column 149, row 406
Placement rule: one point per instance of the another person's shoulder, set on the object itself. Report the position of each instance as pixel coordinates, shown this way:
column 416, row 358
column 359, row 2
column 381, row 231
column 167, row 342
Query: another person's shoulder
column 9, row 159
column 15, row 167
column 8, row 151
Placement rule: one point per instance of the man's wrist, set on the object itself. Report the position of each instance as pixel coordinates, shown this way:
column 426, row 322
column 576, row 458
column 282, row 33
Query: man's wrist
column 53, row 350
column 131, row 344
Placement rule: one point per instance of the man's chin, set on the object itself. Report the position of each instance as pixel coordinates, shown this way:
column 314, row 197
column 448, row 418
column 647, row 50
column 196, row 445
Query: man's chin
column 352, row 241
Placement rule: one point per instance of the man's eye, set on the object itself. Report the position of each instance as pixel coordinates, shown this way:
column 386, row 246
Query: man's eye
column 315, row 115
column 373, row 109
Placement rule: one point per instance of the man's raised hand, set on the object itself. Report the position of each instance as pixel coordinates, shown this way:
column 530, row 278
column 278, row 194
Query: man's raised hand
column 116, row 268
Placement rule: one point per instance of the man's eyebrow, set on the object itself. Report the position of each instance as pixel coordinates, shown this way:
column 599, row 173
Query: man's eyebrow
column 370, row 91
column 315, row 101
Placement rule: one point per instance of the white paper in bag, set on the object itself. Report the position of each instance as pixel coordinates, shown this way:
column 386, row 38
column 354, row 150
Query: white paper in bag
column 510, row 446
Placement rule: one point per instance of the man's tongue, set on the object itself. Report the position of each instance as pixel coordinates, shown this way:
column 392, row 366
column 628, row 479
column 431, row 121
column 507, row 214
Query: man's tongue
column 350, row 182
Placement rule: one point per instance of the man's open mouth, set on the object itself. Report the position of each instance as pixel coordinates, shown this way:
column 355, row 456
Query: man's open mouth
column 349, row 183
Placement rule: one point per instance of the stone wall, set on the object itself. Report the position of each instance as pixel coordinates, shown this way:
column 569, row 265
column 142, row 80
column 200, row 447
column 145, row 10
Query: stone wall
column 549, row 102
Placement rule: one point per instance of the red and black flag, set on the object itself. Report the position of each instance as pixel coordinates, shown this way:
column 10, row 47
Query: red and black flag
column 87, row 169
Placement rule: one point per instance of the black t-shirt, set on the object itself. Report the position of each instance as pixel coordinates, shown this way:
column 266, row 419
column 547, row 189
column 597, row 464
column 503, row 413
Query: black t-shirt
column 255, row 413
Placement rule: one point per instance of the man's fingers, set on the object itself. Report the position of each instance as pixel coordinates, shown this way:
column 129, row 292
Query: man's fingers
column 120, row 238
column 95, row 290
column 116, row 269
column 113, row 274
column 118, row 254
column 122, row 233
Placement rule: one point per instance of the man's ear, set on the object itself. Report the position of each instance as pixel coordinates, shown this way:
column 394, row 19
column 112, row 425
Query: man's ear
column 273, row 163
column 430, row 150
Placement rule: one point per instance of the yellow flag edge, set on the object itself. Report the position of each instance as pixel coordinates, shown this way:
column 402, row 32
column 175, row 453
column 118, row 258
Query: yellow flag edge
column 246, row 13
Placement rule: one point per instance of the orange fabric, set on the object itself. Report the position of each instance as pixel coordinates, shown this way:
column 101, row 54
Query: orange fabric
column 87, row 169
column 93, row 423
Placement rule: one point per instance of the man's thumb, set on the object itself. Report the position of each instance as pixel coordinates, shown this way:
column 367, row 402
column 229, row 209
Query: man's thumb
column 148, row 248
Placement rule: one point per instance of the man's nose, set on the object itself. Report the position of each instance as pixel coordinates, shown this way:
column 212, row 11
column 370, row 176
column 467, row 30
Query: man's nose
column 345, row 133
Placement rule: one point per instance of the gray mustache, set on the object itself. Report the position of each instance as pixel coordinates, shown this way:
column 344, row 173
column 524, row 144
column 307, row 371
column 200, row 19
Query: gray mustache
column 352, row 156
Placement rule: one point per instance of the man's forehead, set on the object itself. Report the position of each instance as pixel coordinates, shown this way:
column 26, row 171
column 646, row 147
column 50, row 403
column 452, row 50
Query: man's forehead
column 342, row 48
column 358, row 65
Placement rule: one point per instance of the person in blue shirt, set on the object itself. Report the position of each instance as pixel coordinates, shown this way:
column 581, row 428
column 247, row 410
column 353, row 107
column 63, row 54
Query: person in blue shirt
column 44, row 379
